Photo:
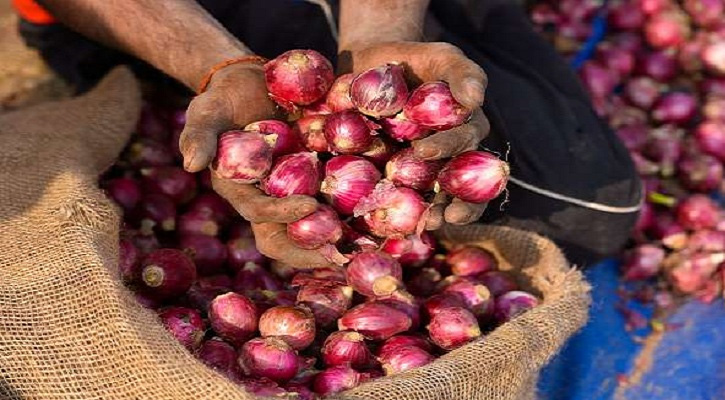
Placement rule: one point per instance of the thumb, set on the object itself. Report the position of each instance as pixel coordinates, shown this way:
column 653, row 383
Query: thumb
column 208, row 116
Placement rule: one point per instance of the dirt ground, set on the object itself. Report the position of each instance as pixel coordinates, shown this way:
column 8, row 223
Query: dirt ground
column 24, row 78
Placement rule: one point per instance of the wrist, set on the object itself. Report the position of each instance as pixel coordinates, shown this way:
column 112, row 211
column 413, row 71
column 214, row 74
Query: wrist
column 370, row 22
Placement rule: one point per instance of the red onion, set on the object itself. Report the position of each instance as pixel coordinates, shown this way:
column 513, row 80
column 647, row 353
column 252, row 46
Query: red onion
column 404, row 169
column 401, row 129
column 713, row 56
column 294, row 325
column 287, row 140
column 241, row 229
column 185, row 325
column 666, row 30
column 338, row 98
column 665, row 147
column 337, row 379
column 319, row 107
column 714, row 108
column 424, row 282
column 209, row 253
column 693, row 271
column 474, row 176
column 629, row 41
column 320, row 275
column 411, row 251
column 544, row 14
column 710, row 137
column 380, row 92
column 244, row 157
column 347, row 180
column 233, row 317
column 405, row 302
column 626, row 15
column 634, row 137
column 151, row 124
column 375, row 321
column 346, row 348
column 713, row 86
column 579, row 9
column 316, row 230
column 702, row 173
column 297, row 173
column 642, row 262
column 645, row 219
column 617, row 60
column 467, row 261
column 381, row 151
column 477, row 298
column 145, row 242
column 512, row 304
column 675, row 108
column 391, row 211
column 652, row 7
column 348, row 132
column 497, row 282
column 577, row 30
column 373, row 273
column 302, row 391
column 261, row 387
column 623, row 115
column 659, row 65
column 174, row 182
column 405, row 359
column 197, row 223
column 433, row 106
column 646, row 167
column 125, row 192
column 328, row 302
column 453, row 327
column 698, row 212
column 312, row 133
column 156, row 210
column 128, row 260
column 598, row 80
column 270, row 358
column 167, row 273
column 435, row 304
column 401, row 342
column 146, row 300
column 242, row 251
column 145, row 152
column 214, row 206
column 299, row 76
column 219, row 281
column 642, row 91
column 668, row 231
column 201, row 297
column 252, row 276
column 707, row 240
column 220, row 356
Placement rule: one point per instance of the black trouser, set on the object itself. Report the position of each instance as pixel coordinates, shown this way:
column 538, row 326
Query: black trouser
column 572, row 180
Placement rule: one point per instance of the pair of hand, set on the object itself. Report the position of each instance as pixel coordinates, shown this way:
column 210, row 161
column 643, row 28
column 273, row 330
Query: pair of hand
column 237, row 95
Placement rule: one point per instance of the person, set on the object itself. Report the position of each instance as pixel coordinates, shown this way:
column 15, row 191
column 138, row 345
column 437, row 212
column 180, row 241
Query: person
column 571, row 179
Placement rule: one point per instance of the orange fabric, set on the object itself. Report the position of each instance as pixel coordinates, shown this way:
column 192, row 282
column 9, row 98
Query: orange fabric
column 31, row 11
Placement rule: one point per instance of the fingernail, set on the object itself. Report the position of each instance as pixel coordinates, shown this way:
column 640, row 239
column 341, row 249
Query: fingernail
column 429, row 152
column 306, row 210
column 188, row 161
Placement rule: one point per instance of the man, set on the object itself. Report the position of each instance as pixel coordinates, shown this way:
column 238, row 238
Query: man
column 571, row 179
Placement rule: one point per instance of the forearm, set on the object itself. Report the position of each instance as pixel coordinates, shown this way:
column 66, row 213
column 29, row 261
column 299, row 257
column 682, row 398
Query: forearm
column 376, row 21
column 176, row 36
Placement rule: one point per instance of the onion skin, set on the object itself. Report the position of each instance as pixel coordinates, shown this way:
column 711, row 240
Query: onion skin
column 405, row 359
column 659, row 65
column 512, row 304
column 338, row 98
column 642, row 262
column 467, row 261
column 375, row 321
column 185, row 325
column 381, row 151
column 312, row 133
column 125, row 192
column 433, row 106
column 497, row 282
column 347, row 180
column 698, row 212
column 233, row 317
column 128, row 261
column 403, row 341
column 486, row 183
column 437, row 303
column 710, row 137
column 453, row 327
column 167, row 273
column 380, row 91
column 269, row 358
column 299, row 76
column 197, row 223
column 244, row 157
column 213, row 206
column 156, row 211
column 297, row 173
column 667, row 29
column 700, row 173
column 208, row 252
column 404, row 169
column 242, row 251
column 287, row 140
column 707, row 240
column 391, row 211
column 675, row 108
column 412, row 251
column 642, row 91
column 220, row 356
column 347, row 132
column 346, row 348
column 477, row 298
column 401, row 129
column 328, row 302
column 317, row 229
column 424, row 282
column 294, row 325
column 254, row 277
column 179, row 185
column 374, row 273
column 337, row 379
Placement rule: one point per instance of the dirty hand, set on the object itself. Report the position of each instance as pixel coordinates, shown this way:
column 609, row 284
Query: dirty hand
column 436, row 62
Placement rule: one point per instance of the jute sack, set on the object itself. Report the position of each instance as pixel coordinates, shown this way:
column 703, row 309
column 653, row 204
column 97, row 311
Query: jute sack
column 69, row 329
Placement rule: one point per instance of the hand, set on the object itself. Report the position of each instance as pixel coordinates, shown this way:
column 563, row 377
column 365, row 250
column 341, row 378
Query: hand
column 430, row 62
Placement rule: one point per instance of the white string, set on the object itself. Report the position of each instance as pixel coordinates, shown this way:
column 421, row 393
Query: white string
column 327, row 10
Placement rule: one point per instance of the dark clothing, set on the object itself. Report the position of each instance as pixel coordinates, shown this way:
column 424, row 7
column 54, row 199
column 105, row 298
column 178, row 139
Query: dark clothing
column 540, row 116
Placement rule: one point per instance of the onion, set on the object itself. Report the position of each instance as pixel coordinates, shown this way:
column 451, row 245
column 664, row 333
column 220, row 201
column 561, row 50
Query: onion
column 298, row 76
column 404, row 359
column 328, row 302
column 167, row 273
column 477, row 298
column 424, row 282
column 373, row 273
column 642, row 91
column 702, row 173
column 294, row 325
column 252, row 276
column 435, row 304
column 145, row 242
column 156, row 210
column 710, row 137
column 714, row 108
column 347, row 180
column 623, row 115
column 337, row 379
column 667, row 29
column 316, row 230
column 401, row 342
column 642, row 262
column 146, row 300
column 692, row 271
column 713, row 86
column 151, row 124
column 240, row 229
column 242, row 251
column 145, row 152
column 433, row 106
column 128, row 260
column 401, row 129
column 645, row 219
column 287, row 140
column 411, row 251
column 707, row 240
column 311, row 132
column 497, row 282
column 403, row 301
column 197, row 223
column 652, row 7
column 698, row 212
column 185, row 325
column 620, row 61
column 512, row 304
column 209, row 253
column 375, row 321
column 544, row 14
column 346, row 348
column 381, row 151
column 297, row 173
column 626, row 16
column 125, row 192
column 474, row 176
column 713, row 55
column 319, row 107
column 244, row 157
column 201, row 297
column 348, row 132
column 261, row 387
column 659, row 65
column 380, row 92
column 220, row 356
column 668, row 231
column 270, row 358
column 597, row 79
column 174, row 182
column 213, row 206
column 338, row 98
column 335, row 275
column 629, row 41
column 453, row 327
column 391, row 211
column 665, row 147
column 688, row 54
column 675, row 108
column 404, row 169
column 467, row 261
column 302, row 391
column 233, row 317
column 634, row 137
column 215, row 281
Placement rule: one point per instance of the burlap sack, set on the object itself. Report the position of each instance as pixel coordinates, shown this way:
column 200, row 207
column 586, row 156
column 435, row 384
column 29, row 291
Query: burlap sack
column 70, row 330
